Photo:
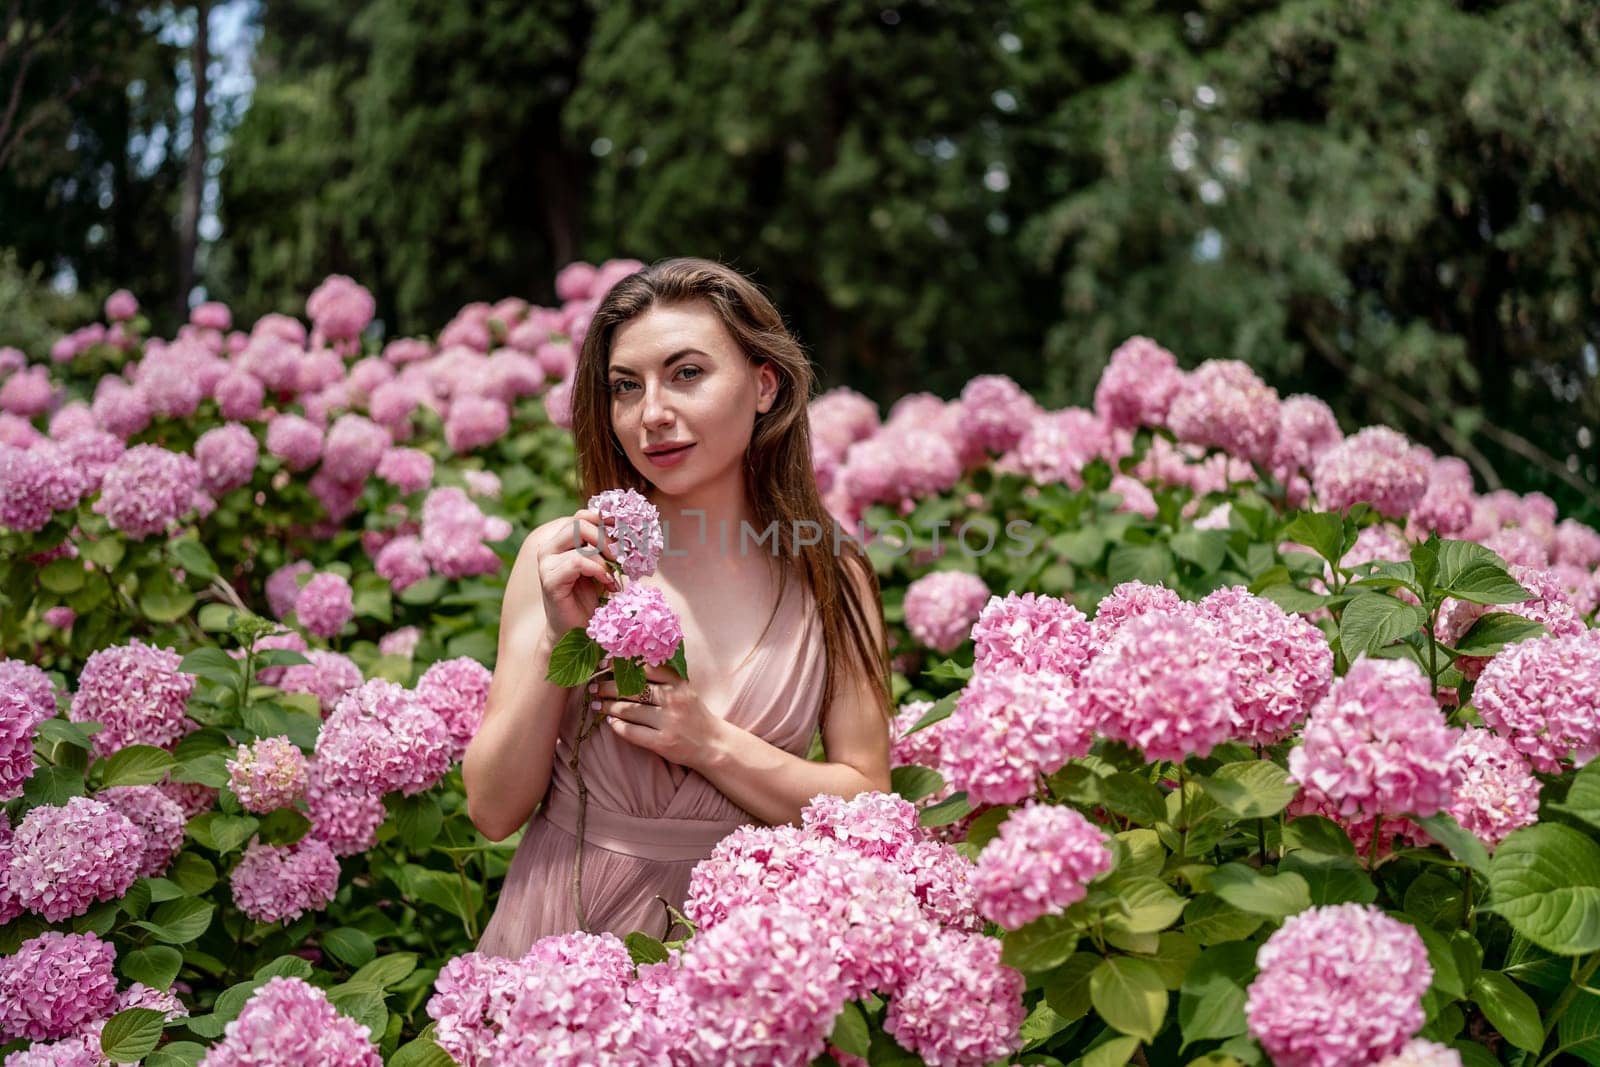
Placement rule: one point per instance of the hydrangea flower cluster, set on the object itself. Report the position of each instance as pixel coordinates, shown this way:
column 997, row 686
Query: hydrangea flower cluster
column 347, row 820
column 65, row 858
column 136, row 692
column 289, row 1020
column 1544, row 697
column 1378, row 744
column 634, row 525
column 147, row 490
column 55, row 984
column 1056, row 446
column 1377, row 466
column 34, row 484
column 268, row 774
column 1127, row 601
column 325, row 604
column 1138, row 385
column 1008, row 729
column 454, row 532
column 637, row 623
column 1420, row 1052
column 1338, row 986
column 380, row 738
column 995, row 411
column 283, row 588
column 1498, row 792
column 1031, row 633
column 940, row 608
column 328, row 676
column 157, row 816
column 227, row 456
column 1225, row 404
column 1281, row 663
column 1042, row 861
column 274, row 883
column 962, row 1006
column 456, row 690
column 1549, row 605
column 27, row 698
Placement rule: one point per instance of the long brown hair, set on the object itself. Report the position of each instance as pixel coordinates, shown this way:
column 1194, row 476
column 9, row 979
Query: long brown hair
column 779, row 479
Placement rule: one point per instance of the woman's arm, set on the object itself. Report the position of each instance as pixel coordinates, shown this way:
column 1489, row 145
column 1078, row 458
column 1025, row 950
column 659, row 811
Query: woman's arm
column 507, row 766
column 775, row 785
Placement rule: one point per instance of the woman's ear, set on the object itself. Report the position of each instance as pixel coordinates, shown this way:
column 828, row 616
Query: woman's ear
column 767, row 383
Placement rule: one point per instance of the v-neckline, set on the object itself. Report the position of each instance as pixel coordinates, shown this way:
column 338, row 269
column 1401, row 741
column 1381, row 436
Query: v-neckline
column 762, row 651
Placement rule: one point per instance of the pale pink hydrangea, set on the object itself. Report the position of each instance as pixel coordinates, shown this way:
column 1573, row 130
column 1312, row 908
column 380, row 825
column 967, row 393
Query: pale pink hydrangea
column 1377, row 466
column 637, row 623
column 401, row 642
column 1446, row 504
column 240, row 395
column 268, row 774
column 1544, row 697
column 1055, row 447
column 27, row 393
column 227, row 456
column 1040, row 863
column 408, row 469
column 475, row 421
column 136, row 692
column 380, row 739
column 346, row 820
column 1224, row 404
column 1282, row 665
column 839, row 418
column 1498, row 792
column 1577, row 544
column 66, row 858
column 1129, row 601
column 290, row 1021
column 354, row 447
column 119, row 407
column 962, row 1006
column 121, row 306
column 402, row 562
column 79, row 1050
column 211, row 315
column 283, row 586
column 295, row 440
column 340, row 307
column 1378, row 744
column 457, row 690
column 274, row 883
column 1420, row 1052
column 453, row 531
column 633, row 529
column 1338, row 986
column 1306, row 429
column 92, row 453
column 1008, row 729
column 940, row 608
column 1138, row 385
column 55, row 984
column 995, row 411
column 1031, row 632
column 192, row 797
column 35, row 484
column 32, row 685
column 558, row 404
column 19, row 725
column 1164, row 684
column 158, row 817
column 1549, row 605
column 1518, row 545
column 328, row 676
column 899, row 466
column 482, row 483
column 147, row 490
column 325, row 604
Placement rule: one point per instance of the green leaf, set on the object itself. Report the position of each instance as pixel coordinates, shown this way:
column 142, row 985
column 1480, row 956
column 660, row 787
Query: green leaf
column 679, row 662
column 137, row 765
column 421, row 1053
column 62, row 732
column 1458, row 841
column 1134, row 796
column 1174, row 955
column 1494, row 631
column 1041, row 945
column 1583, row 796
column 1151, row 906
column 1468, row 571
column 1320, row 531
column 192, row 556
column 210, row 769
column 1545, row 880
column 285, row 966
column 52, row 786
column 1579, row 1029
column 1211, row 920
column 220, row 832
column 1509, row 1010
column 418, row 819
column 1331, row 879
column 155, row 966
column 62, row 576
column 572, row 660
column 951, row 809
column 1129, row 995
column 645, row 949
column 629, row 676
column 1373, row 620
column 130, row 1034
column 1211, row 1001
column 163, row 600
column 177, row 1054
column 363, row 1004
column 1275, row 896
column 850, row 1032
column 1314, row 833
column 913, row 783
column 1253, row 790
column 1067, row 988
column 191, row 873
column 1206, row 549
column 1151, row 564
column 214, row 665
column 941, row 710
column 179, row 922
column 1115, row 1052
column 107, row 552
column 350, row 946
column 385, row 971
column 948, row 670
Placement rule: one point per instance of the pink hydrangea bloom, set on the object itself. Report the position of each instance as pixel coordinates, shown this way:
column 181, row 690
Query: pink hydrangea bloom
column 1138, row 385
column 402, row 562
column 475, row 421
column 558, row 404
column 1128, row 601
column 68, row 857
column 121, row 306
column 963, row 1006
column 32, row 685
column 1010, row 728
column 288, row 1020
column 340, row 307
column 1544, row 697
column 940, row 608
column 346, row 819
column 328, row 677
column 401, row 642
column 1577, row 544
column 1041, row 862
column 354, row 447
column 1420, row 1052
column 268, row 774
column 283, row 587
column 1548, row 605
column 227, row 456
column 1446, row 504
column 325, row 604
column 1338, row 986
column 408, row 469
column 1498, row 792
column 137, row 693
column 839, row 418
column 212, row 315
column 453, row 532
column 1031, row 632
column 1164, row 684
column 240, row 395
column 633, row 530
column 995, row 411
column 457, row 690
column 637, row 623
column 1056, row 445
column 899, row 466
column 120, row 407
column 1377, row 466
column 1306, row 429
column 1224, row 404
column 1377, row 744
column 147, row 490
column 21, row 711
column 80, row 1050
column 192, row 797
column 34, row 484
column 380, row 739
column 295, row 440
column 55, row 984
column 92, row 453
column 273, row 883
column 27, row 393
column 159, row 818
column 1282, row 665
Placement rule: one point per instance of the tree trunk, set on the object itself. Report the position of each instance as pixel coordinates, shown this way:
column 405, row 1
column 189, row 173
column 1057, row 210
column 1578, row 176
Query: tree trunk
column 194, row 177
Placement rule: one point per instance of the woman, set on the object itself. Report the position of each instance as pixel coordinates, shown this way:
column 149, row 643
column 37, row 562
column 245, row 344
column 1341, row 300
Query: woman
column 690, row 390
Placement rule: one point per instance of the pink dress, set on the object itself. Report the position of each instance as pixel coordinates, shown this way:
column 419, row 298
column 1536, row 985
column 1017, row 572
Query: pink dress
column 649, row 821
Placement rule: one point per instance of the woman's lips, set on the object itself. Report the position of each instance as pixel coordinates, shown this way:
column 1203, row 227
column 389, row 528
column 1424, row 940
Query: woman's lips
column 669, row 459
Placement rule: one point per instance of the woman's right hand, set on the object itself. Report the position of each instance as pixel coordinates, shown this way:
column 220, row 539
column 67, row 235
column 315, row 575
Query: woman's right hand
column 572, row 575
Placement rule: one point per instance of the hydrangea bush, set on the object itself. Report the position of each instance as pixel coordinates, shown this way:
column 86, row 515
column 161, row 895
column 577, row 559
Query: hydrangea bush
column 1257, row 742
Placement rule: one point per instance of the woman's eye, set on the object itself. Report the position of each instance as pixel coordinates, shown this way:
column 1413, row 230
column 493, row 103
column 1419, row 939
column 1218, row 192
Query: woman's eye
column 684, row 370
column 616, row 387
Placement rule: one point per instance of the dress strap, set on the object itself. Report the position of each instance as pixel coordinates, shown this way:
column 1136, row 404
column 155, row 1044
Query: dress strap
column 645, row 836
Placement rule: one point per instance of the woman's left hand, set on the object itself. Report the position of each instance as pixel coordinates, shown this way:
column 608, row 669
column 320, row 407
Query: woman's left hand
column 678, row 727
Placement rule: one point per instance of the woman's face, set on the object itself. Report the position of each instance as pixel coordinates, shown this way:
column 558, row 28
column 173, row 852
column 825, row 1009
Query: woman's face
column 677, row 377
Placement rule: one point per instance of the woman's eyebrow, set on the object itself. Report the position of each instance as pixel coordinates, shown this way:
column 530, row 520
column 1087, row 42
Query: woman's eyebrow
column 669, row 361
